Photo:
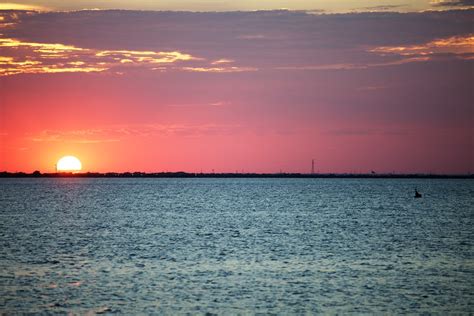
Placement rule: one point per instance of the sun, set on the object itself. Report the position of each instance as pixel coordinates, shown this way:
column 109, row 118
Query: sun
column 69, row 163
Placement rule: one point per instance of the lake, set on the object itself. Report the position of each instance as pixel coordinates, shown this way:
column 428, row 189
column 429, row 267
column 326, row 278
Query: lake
column 236, row 246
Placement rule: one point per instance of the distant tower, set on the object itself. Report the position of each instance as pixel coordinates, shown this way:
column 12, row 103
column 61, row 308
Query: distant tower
column 312, row 166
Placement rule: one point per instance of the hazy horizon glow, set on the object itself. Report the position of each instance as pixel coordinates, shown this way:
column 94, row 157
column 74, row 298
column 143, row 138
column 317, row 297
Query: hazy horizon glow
column 238, row 91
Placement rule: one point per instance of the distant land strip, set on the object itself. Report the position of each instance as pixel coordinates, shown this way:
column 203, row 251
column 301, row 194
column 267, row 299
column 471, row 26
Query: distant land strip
column 38, row 174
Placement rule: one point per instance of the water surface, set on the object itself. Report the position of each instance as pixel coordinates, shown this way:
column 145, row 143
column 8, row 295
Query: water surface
column 286, row 246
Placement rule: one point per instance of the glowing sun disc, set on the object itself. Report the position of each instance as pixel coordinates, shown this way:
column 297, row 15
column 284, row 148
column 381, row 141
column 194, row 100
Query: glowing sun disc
column 69, row 163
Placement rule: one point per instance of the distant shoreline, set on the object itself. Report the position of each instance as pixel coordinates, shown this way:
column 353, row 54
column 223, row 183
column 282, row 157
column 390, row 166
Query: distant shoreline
column 38, row 174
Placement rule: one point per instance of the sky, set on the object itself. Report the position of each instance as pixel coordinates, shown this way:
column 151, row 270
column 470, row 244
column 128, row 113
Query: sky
column 358, row 86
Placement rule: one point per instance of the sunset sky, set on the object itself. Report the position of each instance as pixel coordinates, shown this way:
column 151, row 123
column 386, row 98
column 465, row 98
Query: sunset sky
column 196, row 85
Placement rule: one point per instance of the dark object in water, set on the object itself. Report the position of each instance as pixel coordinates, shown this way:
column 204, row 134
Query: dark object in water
column 417, row 194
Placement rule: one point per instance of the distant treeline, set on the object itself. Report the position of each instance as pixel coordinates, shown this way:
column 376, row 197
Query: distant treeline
column 38, row 174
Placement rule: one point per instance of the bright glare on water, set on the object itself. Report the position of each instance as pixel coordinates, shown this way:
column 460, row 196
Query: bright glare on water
column 285, row 246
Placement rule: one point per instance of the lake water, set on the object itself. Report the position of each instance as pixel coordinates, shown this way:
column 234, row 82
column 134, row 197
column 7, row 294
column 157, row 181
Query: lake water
column 230, row 246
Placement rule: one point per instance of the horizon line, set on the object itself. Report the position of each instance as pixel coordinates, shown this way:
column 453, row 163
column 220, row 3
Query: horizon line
column 183, row 174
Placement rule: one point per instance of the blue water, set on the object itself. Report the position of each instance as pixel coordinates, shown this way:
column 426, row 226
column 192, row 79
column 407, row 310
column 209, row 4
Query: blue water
column 284, row 246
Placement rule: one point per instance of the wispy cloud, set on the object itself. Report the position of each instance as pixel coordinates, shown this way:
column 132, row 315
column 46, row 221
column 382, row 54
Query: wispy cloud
column 219, row 69
column 183, row 105
column 358, row 66
column 371, row 88
column 147, row 57
column 380, row 8
column 222, row 61
column 20, row 6
column 8, row 19
column 347, row 66
column 117, row 133
column 85, row 136
column 219, row 103
column 32, row 57
column 284, row 40
column 460, row 46
column 251, row 36
column 364, row 131
column 452, row 3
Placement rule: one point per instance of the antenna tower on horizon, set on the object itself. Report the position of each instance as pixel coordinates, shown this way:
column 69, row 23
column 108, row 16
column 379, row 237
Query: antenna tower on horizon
column 312, row 166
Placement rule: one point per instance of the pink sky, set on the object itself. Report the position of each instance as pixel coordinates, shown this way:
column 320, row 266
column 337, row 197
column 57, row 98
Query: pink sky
column 252, row 91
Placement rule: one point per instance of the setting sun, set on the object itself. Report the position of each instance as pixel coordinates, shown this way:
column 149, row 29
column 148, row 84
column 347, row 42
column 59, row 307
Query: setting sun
column 69, row 163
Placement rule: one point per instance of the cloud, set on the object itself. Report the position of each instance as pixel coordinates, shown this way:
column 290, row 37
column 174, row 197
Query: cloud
column 324, row 67
column 128, row 56
column 86, row 136
column 379, row 8
column 358, row 66
column 219, row 69
column 251, row 36
column 371, row 88
column 219, row 103
column 117, row 133
column 452, row 3
column 460, row 46
column 19, row 6
column 364, row 131
column 9, row 19
column 222, row 61
column 215, row 103
column 121, row 42
column 32, row 57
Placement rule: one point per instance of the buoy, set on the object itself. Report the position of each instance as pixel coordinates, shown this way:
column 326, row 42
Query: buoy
column 417, row 194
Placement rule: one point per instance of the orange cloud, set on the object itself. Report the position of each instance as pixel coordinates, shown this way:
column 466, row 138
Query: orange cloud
column 18, row 6
column 128, row 56
column 458, row 45
column 461, row 46
column 31, row 57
